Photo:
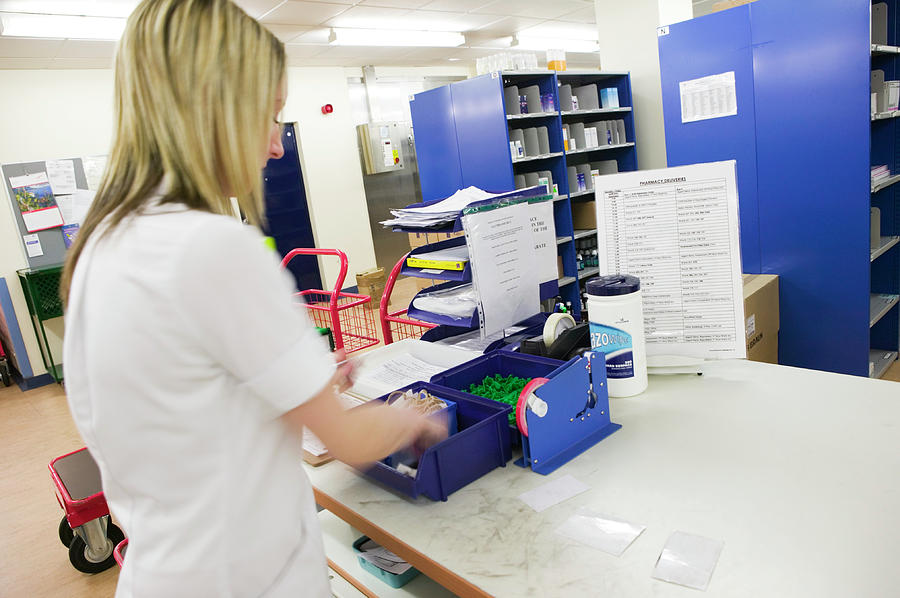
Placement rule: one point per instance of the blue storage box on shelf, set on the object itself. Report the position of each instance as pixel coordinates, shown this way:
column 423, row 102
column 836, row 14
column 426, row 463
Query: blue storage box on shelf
column 481, row 444
column 441, row 319
column 464, row 275
column 394, row 580
column 532, row 326
column 504, row 363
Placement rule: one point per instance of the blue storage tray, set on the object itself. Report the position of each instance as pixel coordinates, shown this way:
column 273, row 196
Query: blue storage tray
column 499, row 362
column 392, row 579
column 480, row 445
column 448, row 412
column 427, row 316
column 464, row 275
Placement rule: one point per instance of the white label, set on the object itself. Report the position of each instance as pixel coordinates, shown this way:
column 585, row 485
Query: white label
column 751, row 325
column 708, row 97
column 661, row 31
column 33, row 245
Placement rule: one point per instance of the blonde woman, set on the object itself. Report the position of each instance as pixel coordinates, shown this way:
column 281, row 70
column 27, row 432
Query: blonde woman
column 190, row 374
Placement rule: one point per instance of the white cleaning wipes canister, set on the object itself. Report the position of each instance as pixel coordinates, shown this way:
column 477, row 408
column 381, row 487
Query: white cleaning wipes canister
column 617, row 329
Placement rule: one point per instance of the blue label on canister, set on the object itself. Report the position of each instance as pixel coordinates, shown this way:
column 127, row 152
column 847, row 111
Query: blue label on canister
column 616, row 344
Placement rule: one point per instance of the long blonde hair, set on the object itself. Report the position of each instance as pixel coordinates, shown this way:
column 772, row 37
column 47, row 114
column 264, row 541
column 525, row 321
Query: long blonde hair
column 195, row 85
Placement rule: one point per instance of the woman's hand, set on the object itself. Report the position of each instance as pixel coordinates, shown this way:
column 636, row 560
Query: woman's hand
column 343, row 375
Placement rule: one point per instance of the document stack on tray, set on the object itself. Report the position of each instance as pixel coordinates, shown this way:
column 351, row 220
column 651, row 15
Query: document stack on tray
column 438, row 213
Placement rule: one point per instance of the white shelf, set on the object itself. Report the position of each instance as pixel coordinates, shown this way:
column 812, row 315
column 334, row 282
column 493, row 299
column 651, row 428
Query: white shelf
column 587, row 272
column 561, row 240
column 580, row 193
column 584, row 232
column 879, row 305
column 881, row 49
column 880, row 361
column 605, row 147
column 886, row 243
column 885, row 183
column 886, row 115
column 531, row 115
column 596, row 111
column 589, row 73
column 541, row 157
column 566, row 280
column 339, row 537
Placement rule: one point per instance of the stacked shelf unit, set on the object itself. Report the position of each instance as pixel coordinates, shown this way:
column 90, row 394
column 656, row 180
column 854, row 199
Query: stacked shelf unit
column 804, row 201
column 463, row 133
column 884, row 313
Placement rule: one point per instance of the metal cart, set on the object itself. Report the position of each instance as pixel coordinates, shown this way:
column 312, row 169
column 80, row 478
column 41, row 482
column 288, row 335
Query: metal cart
column 394, row 326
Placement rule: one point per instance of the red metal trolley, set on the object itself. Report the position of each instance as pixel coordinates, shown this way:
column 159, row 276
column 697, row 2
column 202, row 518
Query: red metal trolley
column 351, row 324
column 394, row 326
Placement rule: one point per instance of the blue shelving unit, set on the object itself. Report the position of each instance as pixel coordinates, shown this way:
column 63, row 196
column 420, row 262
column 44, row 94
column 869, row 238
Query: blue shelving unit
column 804, row 140
column 462, row 133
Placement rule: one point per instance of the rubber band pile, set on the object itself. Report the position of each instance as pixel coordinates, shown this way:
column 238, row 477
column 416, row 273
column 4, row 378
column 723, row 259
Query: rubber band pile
column 505, row 389
column 422, row 402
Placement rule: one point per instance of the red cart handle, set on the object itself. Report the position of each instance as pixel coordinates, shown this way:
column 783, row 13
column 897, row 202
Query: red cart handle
column 339, row 284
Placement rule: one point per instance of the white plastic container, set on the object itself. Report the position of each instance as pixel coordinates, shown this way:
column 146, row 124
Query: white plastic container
column 616, row 316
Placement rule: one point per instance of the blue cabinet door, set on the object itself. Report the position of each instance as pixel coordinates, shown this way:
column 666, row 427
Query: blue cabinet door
column 437, row 151
column 287, row 212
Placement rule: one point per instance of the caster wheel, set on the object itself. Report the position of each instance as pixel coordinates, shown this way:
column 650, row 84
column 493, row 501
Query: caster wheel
column 5, row 375
column 86, row 562
column 65, row 532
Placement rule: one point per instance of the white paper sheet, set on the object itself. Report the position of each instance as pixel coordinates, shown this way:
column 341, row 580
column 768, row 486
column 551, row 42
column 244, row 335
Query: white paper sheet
column 65, row 208
column 81, row 201
column 677, row 230
column 33, row 245
column 62, row 176
column 603, row 532
column 39, row 220
column 93, row 170
column 384, row 559
column 543, row 232
column 399, row 372
column 708, row 97
column 688, row 560
column 552, row 493
column 502, row 256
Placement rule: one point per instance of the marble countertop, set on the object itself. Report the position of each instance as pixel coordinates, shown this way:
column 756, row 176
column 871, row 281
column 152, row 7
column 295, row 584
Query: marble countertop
column 796, row 471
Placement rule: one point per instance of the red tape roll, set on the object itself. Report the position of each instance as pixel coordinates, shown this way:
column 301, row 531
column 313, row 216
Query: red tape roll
column 523, row 399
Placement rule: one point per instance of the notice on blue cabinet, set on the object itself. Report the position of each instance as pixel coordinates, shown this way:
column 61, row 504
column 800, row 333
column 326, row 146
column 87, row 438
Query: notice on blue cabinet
column 708, row 97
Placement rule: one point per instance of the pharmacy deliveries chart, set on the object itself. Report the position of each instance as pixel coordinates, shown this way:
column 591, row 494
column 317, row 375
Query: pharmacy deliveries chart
column 677, row 230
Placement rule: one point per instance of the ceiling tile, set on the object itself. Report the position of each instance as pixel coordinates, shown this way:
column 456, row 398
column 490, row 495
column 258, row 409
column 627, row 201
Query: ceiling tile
column 371, row 53
column 562, row 29
column 257, row 8
column 531, row 8
column 72, row 48
column 82, row 63
column 304, row 13
column 303, row 51
column 97, row 8
column 287, row 33
column 371, row 17
column 29, row 48
column 510, row 25
column 318, row 35
column 25, row 63
column 456, row 5
column 582, row 15
column 430, row 20
column 396, row 3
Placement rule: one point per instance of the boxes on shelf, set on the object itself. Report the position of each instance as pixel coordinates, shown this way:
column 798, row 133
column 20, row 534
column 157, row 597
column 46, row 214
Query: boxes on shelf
column 761, row 317
column 584, row 214
column 371, row 283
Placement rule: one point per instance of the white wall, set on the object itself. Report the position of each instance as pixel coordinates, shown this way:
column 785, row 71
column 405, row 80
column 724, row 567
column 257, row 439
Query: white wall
column 628, row 41
column 68, row 113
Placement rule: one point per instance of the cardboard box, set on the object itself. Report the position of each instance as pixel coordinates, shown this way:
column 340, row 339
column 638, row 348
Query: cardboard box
column 761, row 317
column 371, row 283
column 729, row 4
column 584, row 215
column 559, row 266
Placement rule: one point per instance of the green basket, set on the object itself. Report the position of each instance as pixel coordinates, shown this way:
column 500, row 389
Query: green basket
column 43, row 292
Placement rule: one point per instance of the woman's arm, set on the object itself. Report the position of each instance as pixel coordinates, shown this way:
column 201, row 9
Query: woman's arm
column 364, row 434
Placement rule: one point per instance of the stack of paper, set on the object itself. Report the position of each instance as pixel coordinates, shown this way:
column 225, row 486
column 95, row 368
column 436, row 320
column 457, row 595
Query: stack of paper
column 880, row 173
column 436, row 214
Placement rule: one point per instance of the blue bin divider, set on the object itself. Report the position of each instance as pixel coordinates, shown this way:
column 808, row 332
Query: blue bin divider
column 392, row 579
column 499, row 362
column 481, row 444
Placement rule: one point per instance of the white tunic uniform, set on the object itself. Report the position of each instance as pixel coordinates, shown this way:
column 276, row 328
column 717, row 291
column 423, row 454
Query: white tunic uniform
column 182, row 349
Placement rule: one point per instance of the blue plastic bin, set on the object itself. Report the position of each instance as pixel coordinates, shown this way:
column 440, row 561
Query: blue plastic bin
column 448, row 413
column 498, row 362
column 392, row 579
column 481, row 444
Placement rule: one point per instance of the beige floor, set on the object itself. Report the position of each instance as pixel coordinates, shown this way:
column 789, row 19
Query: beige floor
column 36, row 427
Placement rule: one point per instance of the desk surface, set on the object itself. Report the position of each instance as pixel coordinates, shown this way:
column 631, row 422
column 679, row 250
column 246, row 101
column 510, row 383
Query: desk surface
column 797, row 471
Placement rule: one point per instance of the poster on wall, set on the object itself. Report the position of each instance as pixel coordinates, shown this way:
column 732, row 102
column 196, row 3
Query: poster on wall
column 34, row 197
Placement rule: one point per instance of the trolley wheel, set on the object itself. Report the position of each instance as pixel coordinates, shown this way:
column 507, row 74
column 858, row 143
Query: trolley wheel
column 78, row 552
column 65, row 532
column 5, row 376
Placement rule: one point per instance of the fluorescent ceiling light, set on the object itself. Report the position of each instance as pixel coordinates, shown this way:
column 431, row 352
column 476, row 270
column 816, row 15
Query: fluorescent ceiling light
column 387, row 37
column 60, row 26
column 552, row 43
